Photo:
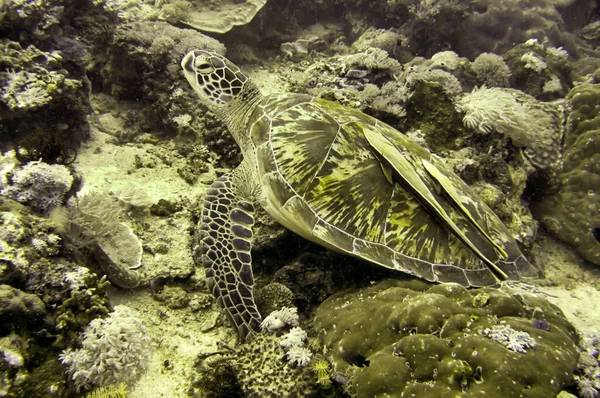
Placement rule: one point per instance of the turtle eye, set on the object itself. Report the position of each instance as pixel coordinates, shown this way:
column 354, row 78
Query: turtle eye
column 203, row 66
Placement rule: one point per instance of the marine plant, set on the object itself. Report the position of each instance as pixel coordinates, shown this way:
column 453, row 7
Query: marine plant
column 113, row 391
column 323, row 371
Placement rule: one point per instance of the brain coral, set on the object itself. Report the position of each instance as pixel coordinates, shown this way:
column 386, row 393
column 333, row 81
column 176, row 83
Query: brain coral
column 573, row 212
column 443, row 340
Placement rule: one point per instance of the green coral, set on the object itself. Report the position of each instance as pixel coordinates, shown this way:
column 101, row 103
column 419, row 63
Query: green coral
column 573, row 212
column 85, row 301
column 443, row 340
column 491, row 70
column 262, row 371
column 540, row 71
column 273, row 297
column 114, row 391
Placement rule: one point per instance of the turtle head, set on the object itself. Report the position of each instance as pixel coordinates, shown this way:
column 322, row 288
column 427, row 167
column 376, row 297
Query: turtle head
column 214, row 78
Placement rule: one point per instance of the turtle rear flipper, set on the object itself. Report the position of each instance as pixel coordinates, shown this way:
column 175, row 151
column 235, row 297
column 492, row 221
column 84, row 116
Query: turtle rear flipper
column 225, row 244
column 477, row 227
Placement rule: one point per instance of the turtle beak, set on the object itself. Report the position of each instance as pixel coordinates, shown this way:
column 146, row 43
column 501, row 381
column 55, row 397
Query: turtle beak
column 187, row 63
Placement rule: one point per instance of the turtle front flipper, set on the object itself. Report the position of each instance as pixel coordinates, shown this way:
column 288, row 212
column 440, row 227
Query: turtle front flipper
column 225, row 236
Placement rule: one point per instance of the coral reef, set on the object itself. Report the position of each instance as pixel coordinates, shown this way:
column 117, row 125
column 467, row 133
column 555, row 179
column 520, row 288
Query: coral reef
column 486, row 30
column 94, row 221
column 261, row 370
column 587, row 378
column 43, row 106
column 529, row 123
column 114, row 350
column 61, row 57
column 39, row 185
column 539, row 70
column 221, row 17
column 19, row 310
column 491, row 70
column 286, row 316
column 433, row 340
column 143, row 57
column 572, row 213
column 46, row 301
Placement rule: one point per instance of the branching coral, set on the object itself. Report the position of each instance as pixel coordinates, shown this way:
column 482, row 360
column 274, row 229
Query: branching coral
column 532, row 62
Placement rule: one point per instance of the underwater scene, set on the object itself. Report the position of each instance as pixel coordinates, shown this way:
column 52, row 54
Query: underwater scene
column 309, row 198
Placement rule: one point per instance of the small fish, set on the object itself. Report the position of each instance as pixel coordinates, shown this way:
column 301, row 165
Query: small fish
column 355, row 359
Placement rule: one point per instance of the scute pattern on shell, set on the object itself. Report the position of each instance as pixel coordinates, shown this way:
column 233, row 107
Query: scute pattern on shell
column 323, row 180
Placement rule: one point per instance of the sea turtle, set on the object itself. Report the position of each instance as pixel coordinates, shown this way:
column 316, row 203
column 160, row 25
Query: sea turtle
column 340, row 178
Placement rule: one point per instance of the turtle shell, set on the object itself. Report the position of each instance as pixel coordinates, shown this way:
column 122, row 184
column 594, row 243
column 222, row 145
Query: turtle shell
column 323, row 179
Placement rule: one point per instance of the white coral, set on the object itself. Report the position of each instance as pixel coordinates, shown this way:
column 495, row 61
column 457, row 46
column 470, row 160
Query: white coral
column 286, row 316
column 533, row 62
column 489, row 109
column 587, row 388
column 519, row 341
column 514, row 340
column 552, row 86
column 183, row 120
column 295, row 338
column 115, row 349
column 299, row 355
column 558, row 52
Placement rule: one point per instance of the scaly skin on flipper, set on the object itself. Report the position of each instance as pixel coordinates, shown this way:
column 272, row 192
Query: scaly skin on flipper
column 225, row 243
column 353, row 184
